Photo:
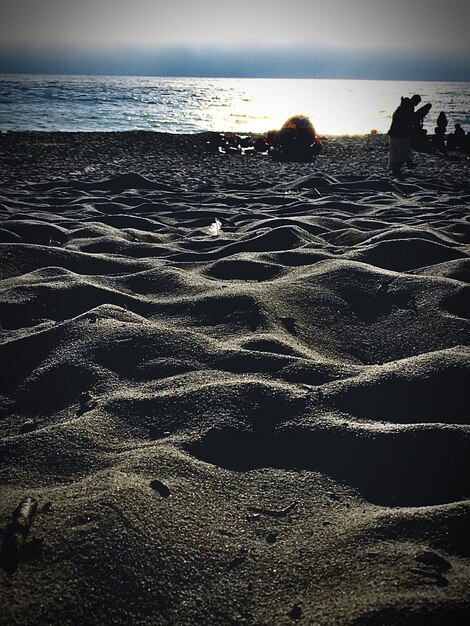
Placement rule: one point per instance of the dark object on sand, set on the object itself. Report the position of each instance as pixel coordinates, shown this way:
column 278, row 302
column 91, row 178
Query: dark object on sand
column 226, row 143
column 295, row 612
column 87, row 403
column 231, row 143
column 289, row 324
column 295, row 141
column 16, row 533
column 237, row 560
column 160, row 488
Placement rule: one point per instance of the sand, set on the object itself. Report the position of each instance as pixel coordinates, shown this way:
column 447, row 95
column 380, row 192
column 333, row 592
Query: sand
column 268, row 426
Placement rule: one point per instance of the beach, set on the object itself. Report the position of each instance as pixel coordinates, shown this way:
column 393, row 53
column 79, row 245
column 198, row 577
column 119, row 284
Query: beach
column 266, row 425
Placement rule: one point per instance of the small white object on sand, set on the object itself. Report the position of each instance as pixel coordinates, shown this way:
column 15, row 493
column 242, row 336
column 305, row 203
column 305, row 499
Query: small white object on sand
column 215, row 228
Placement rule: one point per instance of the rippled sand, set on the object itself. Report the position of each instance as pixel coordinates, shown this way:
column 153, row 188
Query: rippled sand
column 265, row 427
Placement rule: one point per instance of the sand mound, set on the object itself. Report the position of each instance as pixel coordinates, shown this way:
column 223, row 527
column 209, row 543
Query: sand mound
column 265, row 426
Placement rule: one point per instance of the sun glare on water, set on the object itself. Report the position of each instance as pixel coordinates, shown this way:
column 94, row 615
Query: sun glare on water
column 334, row 107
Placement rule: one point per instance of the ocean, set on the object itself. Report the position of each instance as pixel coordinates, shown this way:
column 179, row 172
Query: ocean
column 192, row 105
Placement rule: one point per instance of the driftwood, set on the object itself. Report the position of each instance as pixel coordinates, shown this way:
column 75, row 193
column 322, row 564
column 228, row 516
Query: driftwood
column 16, row 533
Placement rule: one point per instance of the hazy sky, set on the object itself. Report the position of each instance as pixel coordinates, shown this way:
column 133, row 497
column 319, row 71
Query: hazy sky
column 406, row 27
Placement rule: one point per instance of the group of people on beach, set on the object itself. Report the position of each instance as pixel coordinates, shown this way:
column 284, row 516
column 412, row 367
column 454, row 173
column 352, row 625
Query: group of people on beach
column 407, row 133
column 296, row 140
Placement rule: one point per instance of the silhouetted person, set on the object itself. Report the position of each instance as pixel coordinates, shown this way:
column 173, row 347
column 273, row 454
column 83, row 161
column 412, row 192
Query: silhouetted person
column 442, row 121
column 456, row 140
column 415, row 100
column 439, row 139
column 459, row 134
column 399, row 133
column 419, row 140
column 296, row 140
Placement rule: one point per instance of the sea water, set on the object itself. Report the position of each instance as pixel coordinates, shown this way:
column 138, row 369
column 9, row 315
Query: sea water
column 192, row 105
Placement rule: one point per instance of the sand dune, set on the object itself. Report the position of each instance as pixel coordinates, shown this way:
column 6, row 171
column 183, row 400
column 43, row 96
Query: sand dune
column 267, row 426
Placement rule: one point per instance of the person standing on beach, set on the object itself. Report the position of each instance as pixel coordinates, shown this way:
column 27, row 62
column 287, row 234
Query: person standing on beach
column 419, row 139
column 439, row 139
column 399, row 133
column 415, row 100
column 442, row 121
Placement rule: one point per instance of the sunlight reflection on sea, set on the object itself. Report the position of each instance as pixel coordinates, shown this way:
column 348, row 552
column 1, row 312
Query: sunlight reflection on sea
column 191, row 105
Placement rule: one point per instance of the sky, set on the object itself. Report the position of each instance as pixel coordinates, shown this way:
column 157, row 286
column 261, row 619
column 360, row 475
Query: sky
column 398, row 39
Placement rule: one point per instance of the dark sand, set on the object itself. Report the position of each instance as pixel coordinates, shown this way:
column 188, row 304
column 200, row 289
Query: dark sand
column 267, row 427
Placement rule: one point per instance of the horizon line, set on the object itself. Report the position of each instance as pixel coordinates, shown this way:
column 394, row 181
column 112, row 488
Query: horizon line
column 234, row 77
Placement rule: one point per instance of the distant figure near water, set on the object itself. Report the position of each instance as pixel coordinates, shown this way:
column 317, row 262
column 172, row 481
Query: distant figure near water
column 400, row 133
column 457, row 139
column 439, row 139
column 442, row 121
